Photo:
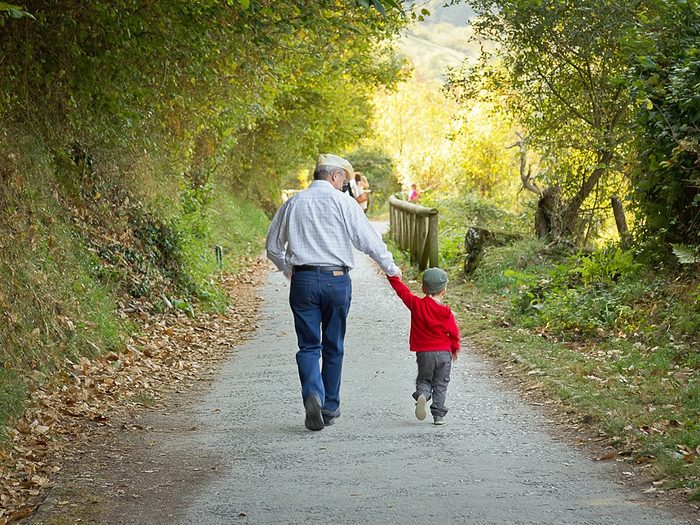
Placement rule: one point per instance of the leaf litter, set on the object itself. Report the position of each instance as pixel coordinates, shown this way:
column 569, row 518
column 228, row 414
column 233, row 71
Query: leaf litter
column 171, row 351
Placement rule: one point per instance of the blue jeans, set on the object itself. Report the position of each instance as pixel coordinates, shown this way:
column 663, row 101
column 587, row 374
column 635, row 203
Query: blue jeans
column 320, row 302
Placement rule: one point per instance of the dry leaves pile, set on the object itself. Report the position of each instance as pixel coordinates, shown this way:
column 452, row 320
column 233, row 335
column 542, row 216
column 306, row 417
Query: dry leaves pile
column 172, row 350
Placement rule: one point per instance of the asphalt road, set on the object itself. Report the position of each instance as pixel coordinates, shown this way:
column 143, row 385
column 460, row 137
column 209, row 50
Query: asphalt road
column 494, row 462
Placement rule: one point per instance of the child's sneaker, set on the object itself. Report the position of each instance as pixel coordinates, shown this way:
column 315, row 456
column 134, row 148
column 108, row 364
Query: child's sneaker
column 438, row 420
column 420, row 407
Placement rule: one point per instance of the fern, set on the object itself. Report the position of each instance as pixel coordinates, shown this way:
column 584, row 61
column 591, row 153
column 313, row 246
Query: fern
column 686, row 255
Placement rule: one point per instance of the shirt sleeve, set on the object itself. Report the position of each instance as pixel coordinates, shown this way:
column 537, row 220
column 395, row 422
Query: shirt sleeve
column 276, row 244
column 453, row 334
column 402, row 291
column 366, row 239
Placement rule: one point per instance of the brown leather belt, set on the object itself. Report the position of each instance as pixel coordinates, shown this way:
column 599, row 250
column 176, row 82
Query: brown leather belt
column 309, row 268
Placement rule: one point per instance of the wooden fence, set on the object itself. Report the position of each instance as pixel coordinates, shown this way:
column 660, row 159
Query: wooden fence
column 415, row 229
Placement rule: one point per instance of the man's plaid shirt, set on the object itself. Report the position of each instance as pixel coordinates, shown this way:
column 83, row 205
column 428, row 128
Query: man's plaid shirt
column 319, row 226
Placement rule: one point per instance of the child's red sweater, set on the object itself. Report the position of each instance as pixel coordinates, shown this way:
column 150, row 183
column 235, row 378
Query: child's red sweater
column 433, row 325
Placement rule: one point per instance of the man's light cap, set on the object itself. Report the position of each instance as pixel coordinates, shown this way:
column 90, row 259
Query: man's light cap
column 328, row 159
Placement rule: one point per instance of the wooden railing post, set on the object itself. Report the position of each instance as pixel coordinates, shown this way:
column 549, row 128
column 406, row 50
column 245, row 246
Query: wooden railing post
column 432, row 240
column 421, row 231
column 391, row 223
column 415, row 229
column 413, row 221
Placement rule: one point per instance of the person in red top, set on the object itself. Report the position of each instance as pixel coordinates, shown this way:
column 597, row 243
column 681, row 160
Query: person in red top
column 414, row 195
column 434, row 338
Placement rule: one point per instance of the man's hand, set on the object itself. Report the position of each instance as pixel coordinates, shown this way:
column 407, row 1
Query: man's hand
column 288, row 275
column 399, row 274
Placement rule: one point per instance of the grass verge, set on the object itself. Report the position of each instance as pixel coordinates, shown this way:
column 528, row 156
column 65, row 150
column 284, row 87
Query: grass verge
column 72, row 259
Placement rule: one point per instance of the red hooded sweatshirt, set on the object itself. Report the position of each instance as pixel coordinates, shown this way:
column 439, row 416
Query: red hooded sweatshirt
column 433, row 325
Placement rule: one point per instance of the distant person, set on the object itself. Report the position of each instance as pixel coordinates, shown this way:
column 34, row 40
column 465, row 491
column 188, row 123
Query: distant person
column 310, row 240
column 350, row 185
column 414, row 195
column 362, row 196
column 434, row 338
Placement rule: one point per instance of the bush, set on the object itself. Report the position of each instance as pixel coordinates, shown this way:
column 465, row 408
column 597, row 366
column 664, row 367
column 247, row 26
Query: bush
column 589, row 295
column 458, row 214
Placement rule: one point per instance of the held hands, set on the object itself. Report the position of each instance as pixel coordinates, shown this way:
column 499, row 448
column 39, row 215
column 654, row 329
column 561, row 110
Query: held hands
column 399, row 274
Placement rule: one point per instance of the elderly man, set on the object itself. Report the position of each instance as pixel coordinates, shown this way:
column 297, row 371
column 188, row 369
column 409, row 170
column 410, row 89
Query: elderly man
column 310, row 240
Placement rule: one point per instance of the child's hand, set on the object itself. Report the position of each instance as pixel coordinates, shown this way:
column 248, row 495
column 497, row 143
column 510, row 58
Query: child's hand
column 454, row 356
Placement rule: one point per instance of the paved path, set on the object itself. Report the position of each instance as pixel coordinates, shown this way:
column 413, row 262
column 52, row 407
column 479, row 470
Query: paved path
column 492, row 463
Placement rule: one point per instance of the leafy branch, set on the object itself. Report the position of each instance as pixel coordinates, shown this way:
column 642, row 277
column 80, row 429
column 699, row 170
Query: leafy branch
column 14, row 11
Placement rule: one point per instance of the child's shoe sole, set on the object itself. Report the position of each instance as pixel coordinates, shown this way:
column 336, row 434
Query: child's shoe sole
column 420, row 407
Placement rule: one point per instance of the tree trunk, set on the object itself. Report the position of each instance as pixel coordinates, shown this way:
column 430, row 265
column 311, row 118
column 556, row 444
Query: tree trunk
column 477, row 239
column 570, row 214
column 621, row 222
column 547, row 218
column 554, row 218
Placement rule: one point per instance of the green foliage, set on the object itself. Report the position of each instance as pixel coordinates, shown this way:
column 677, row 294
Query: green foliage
column 582, row 295
column 74, row 243
column 378, row 167
column 217, row 219
column 505, row 269
column 665, row 78
column 616, row 344
column 587, row 295
column 686, row 255
column 621, row 384
column 471, row 209
column 12, row 11
column 238, row 226
column 605, row 92
column 450, row 152
column 457, row 214
column 605, row 266
column 447, row 152
column 557, row 71
column 225, row 90
column 13, row 393
column 411, row 125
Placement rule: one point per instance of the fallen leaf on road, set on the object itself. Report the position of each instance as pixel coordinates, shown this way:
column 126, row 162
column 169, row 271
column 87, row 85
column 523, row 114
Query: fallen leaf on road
column 612, row 454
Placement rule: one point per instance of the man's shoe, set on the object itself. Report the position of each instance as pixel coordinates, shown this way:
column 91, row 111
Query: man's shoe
column 314, row 418
column 438, row 420
column 328, row 420
column 420, row 407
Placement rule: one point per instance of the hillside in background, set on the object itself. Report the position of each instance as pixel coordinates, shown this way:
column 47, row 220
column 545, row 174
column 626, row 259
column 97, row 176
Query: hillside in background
column 442, row 40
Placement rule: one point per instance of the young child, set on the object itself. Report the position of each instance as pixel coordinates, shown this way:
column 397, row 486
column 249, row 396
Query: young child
column 434, row 338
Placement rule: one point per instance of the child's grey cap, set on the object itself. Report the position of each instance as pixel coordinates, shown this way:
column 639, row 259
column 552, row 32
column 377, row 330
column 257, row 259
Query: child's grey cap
column 434, row 280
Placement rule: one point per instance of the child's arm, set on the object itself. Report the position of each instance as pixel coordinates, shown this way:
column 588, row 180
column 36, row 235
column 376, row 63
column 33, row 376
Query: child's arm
column 454, row 335
column 402, row 291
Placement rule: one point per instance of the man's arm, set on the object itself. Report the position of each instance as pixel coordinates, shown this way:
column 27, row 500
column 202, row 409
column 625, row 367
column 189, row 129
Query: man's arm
column 366, row 239
column 276, row 244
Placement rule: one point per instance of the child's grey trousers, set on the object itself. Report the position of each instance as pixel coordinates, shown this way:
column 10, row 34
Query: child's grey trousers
column 433, row 378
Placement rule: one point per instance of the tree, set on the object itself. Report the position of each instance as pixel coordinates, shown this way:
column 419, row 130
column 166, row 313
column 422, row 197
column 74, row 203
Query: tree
column 665, row 78
column 243, row 90
column 558, row 68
